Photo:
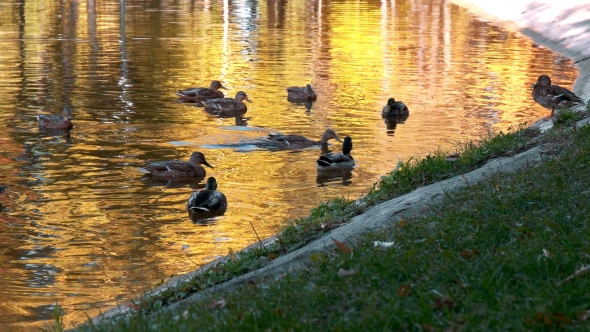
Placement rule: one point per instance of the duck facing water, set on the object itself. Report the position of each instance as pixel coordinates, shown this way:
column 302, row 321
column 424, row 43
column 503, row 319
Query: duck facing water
column 195, row 95
column 553, row 96
column 204, row 202
column 337, row 161
column 394, row 108
column 52, row 121
column 227, row 107
column 297, row 94
column 177, row 168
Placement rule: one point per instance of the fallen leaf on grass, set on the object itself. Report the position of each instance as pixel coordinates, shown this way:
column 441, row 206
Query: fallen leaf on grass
column 216, row 304
column 469, row 254
column 383, row 244
column 132, row 305
column 402, row 223
column 403, row 290
column 562, row 318
column 583, row 315
column 579, row 272
column 341, row 246
column 346, row 273
column 444, row 304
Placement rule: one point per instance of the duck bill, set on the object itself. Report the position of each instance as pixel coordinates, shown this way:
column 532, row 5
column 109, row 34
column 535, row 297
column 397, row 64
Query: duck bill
column 248, row 100
column 222, row 87
column 207, row 164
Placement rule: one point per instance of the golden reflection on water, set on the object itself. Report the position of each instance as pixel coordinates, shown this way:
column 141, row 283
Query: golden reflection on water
column 83, row 228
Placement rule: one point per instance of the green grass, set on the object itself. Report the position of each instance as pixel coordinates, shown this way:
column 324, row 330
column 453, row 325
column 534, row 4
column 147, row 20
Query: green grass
column 499, row 255
column 406, row 177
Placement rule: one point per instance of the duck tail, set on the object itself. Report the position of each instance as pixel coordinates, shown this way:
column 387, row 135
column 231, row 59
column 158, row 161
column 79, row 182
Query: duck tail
column 144, row 170
column 324, row 161
column 199, row 209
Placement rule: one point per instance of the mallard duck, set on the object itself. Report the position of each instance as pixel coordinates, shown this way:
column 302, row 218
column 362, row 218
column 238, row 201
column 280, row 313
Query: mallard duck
column 177, row 168
column 227, row 107
column 199, row 94
column 52, row 121
column 288, row 142
column 206, row 201
column 394, row 108
column 298, row 94
column 337, row 161
column 553, row 96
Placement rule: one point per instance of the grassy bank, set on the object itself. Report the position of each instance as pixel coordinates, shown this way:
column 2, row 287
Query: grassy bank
column 491, row 255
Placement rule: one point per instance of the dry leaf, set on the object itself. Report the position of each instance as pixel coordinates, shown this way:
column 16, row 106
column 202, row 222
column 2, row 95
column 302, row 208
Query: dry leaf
column 579, row 272
column 279, row 312
column 443, row 304
column 346, row 273
column 562, row 318
column 403, row 290
column 216, row 304
column 341, row 246
column 132, row 305
column 498, row 187
column 383, row 244
column 427, row 327
column 402, row 223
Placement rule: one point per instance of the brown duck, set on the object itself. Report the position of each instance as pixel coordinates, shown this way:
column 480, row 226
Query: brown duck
column 289, row 142
column 227, row 107
column 394, row 109
column 177, row 168
column 553, row 96
column 195, row 95
column 52, row 121
column 297, row 94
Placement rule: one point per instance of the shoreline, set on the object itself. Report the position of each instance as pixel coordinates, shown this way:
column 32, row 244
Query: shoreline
column 566, row 37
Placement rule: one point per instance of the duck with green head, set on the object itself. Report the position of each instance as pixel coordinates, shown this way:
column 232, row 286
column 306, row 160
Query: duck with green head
column 227, row 107
column 204, row 202
column 52, row 121
column 337, row 161
column 177, row 168
column 394, row 109
column 195, row 95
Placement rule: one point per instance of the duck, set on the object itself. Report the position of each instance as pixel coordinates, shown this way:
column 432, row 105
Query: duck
column 194, row 95
column 301, row 94
column 177, row 168
column 227, row 107
column 289, row 142
column 337, row 161
column 206, row 201
column 394, row 108
column 53, row 121
column 553, row 96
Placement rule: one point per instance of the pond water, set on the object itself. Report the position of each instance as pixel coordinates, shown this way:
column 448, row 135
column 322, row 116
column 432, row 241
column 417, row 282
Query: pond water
column 80, row 225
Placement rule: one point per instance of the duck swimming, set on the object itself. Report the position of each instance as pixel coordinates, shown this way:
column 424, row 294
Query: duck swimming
column 177, row 168
column 297, row 94
column 52, row 121
column 195, row 95
column 394, row 108
column 290, row 142
column 204, row 202
column 553, row 96
column 337, row 161
column 227, row 107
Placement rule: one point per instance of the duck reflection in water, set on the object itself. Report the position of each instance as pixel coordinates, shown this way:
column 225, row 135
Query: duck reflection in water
column 206, row 203
column 392, row 122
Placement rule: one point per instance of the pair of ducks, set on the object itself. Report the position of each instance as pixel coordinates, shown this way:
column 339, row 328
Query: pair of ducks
column 216, row 104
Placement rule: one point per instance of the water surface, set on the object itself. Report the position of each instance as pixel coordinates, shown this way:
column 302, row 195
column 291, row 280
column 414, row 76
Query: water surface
column 80, row 225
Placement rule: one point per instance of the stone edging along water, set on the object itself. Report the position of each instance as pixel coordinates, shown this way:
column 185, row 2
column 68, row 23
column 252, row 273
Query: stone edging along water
column 563, row 27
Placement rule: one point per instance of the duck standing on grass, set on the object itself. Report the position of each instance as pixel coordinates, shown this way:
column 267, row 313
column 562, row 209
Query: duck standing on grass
column 394, row 109
column 177, row 168
column 227, row 107
column 553, row 96
column 297, row 94
column 206, row 202
column 195, row 95
column 52, row 121
column 337, row 161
